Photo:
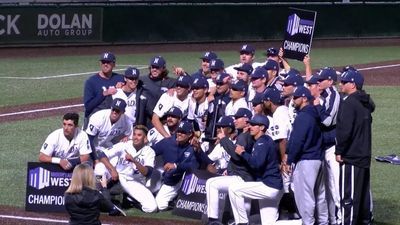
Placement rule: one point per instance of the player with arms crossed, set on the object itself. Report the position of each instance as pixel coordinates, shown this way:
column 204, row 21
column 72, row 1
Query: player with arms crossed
column 68, row 146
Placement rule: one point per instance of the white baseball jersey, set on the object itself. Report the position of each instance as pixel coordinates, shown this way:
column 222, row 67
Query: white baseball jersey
column 132, row 181
column 166, row 102
column 232, row 108
column 105, row 133
column 130, row 100
column 57, row 145
column 281, row 126
column 199, row 112
column 220, row 156
column 231, row 71
column 292, row 111
column 154, row 136
column 144, row 156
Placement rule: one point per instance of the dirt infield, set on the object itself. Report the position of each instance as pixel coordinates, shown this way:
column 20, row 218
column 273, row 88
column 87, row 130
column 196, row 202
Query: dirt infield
column 373, row 76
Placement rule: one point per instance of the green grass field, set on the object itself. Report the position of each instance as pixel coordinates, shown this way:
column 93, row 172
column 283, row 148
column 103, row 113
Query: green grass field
column 21, row 140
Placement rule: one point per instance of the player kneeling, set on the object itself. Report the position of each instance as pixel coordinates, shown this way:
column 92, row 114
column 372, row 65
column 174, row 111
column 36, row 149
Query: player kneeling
column 134, row 162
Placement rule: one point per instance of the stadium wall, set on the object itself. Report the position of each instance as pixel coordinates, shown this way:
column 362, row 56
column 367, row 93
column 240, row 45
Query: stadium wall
column 159, row 23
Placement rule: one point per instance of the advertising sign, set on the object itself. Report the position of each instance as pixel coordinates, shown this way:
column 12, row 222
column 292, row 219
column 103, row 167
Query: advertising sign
column 45, row 187
column 36, row 25
column 299, row 33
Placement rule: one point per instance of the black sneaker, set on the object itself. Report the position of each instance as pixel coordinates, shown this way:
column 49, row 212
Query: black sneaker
column 116, row 212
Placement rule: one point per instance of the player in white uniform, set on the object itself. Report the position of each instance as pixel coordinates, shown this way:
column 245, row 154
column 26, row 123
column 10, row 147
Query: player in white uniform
column 199, row 107
column 293, row 80
column 68, row 146
column 238, row 100
column 134, row 162
column 179, row 99
column 106, row 128
column 247, row 53
column 128, row 93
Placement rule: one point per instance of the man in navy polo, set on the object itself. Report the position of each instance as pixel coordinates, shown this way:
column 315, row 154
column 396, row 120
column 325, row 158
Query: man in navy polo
column 267, row 187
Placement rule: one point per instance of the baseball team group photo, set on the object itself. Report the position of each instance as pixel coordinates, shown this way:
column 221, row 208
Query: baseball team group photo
column 293, row 129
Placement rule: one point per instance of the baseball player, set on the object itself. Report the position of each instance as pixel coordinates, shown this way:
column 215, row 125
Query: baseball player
column 276, row 55
column 179, row 99
column 258, row 82
column 106, row 128
column 304, row 149
column 267, row 187
column 237, row 169
column 204, row 70
column 178, row 156
column 238, row 100
column 293, row 80
column 137, row 99
column 174, row 116
column 244, row 71
column 134, row 162
column 67, row 146
column 246, row 55
column 327, row 105
column 272, row 69
column 198, row 104
column 100, row 85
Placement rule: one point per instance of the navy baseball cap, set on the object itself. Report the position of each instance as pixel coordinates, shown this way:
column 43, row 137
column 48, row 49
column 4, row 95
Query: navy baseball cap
column 184, row 81
column 272, row 52
column 209, row 56
column 347, row 68
column 175, row 112
column 216, row 64
column 302, row 91
column 245, row 67
column 185, row 127
column 243, row 112
column 200, row 82
column 132, row 72
column 258, row 99
column 271, row 65
column 259, row 120
column 273, row 95
column 353, row 76
column 313, row 79
column 293, row 78
column 118, row 104
column 247, row 49
column 327, row 73
column 158, row 61
column 259, row 72
column 107, row 57
column 239, row 85
column 221, row 77
column 225, row 121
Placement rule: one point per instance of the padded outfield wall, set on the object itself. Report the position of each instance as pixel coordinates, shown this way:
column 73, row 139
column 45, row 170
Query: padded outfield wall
column 161, row 23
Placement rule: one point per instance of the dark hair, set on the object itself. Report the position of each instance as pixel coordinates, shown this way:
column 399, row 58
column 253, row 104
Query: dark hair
column 72, row 116
column 142, row 128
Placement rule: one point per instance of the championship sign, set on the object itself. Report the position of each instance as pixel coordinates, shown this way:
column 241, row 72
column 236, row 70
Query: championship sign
column 45, row 187
column 299, row 33
column 192, row 202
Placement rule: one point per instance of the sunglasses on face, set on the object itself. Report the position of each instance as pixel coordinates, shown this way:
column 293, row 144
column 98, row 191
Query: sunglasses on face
column 106, row 62
column 116, row 111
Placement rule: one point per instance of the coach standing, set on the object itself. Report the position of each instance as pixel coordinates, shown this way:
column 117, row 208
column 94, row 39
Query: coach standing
column 101, row 85
column 353, row 149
